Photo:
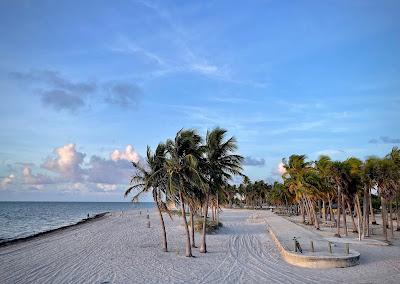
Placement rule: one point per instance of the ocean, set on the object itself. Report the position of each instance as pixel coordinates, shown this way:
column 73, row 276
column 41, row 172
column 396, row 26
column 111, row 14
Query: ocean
column 23, row 219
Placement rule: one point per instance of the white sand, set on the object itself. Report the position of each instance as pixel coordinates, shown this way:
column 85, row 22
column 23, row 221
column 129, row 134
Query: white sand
column 121, row 249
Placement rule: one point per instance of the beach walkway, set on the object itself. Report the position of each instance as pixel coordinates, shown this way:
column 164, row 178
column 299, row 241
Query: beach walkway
column 121, row 249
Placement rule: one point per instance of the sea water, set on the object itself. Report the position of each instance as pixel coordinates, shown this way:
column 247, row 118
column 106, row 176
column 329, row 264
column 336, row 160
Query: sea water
column 23, row 219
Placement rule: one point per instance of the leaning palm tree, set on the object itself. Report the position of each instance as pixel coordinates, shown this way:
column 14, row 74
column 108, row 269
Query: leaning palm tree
column 220, row 164
column 151, row 176
column 182, row 163
column 296, row 169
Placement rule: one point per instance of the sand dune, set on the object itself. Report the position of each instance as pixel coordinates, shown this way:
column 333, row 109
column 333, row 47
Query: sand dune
column 121, row 249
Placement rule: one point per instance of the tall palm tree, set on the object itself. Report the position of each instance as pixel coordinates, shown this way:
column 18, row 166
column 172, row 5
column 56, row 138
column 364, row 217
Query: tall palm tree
column 368, row 181
column 385, row 176
column 324, row 168
column 296, row 169
column 184, row 153
column 340, row 178
column 394, row 156
column 355, row 186
column 220, row 164
column 151, row 176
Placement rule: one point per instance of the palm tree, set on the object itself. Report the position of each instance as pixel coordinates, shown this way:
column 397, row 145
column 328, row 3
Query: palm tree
column 219, row 166
column 184, row 153
column 355, row 186
column 151, row 176
column 296, row 169
column 312, row 185
column 394, row 156
column 341, row 179
column 368, row 177
column 324, row 168
column 385, row 176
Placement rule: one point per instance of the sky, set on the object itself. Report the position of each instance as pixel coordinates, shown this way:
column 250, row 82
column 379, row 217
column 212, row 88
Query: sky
column 85, row 86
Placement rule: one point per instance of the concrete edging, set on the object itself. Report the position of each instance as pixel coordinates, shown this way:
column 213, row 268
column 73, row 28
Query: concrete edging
column 314, row 261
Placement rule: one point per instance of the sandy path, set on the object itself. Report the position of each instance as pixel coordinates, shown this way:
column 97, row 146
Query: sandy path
column 121, row 249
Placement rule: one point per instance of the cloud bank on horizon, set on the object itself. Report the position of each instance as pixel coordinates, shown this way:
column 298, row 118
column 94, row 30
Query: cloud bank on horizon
column 310, row 78
column 68, row 170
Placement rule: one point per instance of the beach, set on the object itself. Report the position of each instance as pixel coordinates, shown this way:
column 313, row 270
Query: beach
column 119, row 248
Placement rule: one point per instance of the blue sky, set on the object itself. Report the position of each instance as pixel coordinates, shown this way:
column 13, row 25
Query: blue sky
column 86, row 85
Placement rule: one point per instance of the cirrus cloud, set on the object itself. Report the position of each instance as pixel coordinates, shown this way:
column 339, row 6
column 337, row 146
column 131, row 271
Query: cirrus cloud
column 385, row 139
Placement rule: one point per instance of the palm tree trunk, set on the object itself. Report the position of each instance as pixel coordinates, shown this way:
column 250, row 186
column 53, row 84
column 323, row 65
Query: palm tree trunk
column 188, row 248
column 203, row 245
column 384, row 218
column 192, row 227
column 355, row 230
column 331, row 215
column 319, row 209
column 398, row 215
column 344, row 212
column 217, row 213
column 324, row 209
column 316, row 222
column 372, row 209
column 306, row 206
column 164, row 232
column 359, row 220
column 303, row 214
column 338, row 213
column 366, row 200
column 391, row 219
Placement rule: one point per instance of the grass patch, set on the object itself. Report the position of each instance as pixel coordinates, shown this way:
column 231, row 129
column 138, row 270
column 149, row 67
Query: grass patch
column 177, row 212
column 211, row 226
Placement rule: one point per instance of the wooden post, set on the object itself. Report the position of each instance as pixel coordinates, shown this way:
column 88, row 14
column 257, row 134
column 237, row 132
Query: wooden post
column 312, row 246
column 330, row 247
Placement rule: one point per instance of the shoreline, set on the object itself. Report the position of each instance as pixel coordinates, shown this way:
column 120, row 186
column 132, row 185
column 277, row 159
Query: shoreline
column 48, row 232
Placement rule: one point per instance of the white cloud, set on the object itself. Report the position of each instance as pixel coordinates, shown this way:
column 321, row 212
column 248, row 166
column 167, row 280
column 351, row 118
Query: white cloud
column 277, row 172
column 106, row 187
column 109, row 171
column 6, row 181
column 67, row 163
column 207, row 69
column 281, row 168
column 32, row 179
column 129, row 154
column 67, row 171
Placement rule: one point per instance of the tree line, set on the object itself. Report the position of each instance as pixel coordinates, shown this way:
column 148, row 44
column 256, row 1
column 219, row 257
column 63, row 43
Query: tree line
column 332, row 191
